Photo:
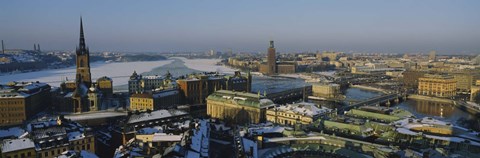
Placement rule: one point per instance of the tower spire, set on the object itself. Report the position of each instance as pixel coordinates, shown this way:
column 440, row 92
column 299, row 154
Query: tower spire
column 82, row 38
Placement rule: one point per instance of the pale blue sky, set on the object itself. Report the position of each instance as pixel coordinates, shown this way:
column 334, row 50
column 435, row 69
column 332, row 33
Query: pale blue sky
column 448, row 26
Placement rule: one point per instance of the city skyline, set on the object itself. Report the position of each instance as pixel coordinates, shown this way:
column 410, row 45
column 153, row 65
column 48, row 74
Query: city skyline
column 367, row 26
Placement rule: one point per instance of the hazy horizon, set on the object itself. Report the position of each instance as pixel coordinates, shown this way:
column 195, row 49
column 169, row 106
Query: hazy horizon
column 449, row 27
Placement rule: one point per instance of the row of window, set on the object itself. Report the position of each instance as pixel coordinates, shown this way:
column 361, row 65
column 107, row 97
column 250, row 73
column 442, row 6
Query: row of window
column 10, row 102
column 12, row 115
column 12, row 109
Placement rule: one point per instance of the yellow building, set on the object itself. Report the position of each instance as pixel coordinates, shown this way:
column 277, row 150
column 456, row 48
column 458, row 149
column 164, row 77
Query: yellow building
column 291, row 114
column 465, row 80
column 475, row 91
column 156, row 143
column 141, row 102
column 20, row 148
column 326, row 90
column 105, row 85
column 51, row 140
column 286, row 68
column 238, row 107
column 437, row 85
column 155, row 100
column 20, row 101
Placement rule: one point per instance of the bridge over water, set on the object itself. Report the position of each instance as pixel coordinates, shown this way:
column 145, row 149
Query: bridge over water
column 386, row 99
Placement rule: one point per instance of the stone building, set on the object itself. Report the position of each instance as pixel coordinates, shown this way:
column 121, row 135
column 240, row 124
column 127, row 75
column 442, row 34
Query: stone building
column 155, row 100
column 20, row 101
column 23, row 147
column 410, row 78
column 142, row 84
column 437, row 85
column 238, row 107
column 49, row 138
column 475, row 91
column 327, row 90
column 465, row 80
column 196, row 87
column 292, row 114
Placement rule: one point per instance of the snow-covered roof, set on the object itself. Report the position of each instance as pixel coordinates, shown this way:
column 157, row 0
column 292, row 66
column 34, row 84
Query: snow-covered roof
column 303, row 108
column 74, row 154
column 163, row 137
column 94, row 115
column 11, row 132
column 293, row 138
column 149, row 130
column 165, row 93
column 248, row 145
column 260, row 130
column 159, row 114
column 10, row 145
column 72, row 136
column 200, row 141
column 424, row 122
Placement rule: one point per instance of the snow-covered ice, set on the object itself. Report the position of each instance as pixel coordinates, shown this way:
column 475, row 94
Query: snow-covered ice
column 207, row 65
column 118, row 71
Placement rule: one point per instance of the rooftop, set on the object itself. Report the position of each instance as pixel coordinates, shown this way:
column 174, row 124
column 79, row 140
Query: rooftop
column 303, row 108
column 10, row 145
column 159, row 114
column 241, row 98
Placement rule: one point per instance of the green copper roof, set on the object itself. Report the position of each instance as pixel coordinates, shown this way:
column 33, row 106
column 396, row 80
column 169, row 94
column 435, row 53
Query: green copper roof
column 339, row 125
column 240, row 98
column 372, row 115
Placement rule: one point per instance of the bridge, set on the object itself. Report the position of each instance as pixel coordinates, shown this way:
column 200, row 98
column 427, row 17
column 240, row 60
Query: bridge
column 387, row 99
column 290, row 95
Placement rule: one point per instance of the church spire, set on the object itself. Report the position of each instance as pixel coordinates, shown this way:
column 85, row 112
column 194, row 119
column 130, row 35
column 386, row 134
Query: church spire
column 82, row 39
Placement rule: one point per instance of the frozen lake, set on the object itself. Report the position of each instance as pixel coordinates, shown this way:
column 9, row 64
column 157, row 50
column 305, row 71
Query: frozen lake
column 121, row 71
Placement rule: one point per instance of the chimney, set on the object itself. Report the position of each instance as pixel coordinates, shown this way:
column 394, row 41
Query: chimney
column 38, row 47
column 3, row 48
column 35, row 47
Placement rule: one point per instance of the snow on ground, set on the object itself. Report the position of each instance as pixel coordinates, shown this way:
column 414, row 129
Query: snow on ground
column 118, row 71
column 208, row 65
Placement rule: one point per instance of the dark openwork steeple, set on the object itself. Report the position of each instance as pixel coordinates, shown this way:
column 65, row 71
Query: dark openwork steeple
column 82, row 46
column 83, row 59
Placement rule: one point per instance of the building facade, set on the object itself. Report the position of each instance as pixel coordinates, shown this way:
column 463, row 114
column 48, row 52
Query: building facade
column 49, row 138
column 238, row 107
column 286, row 68
column 437, row 85
column 19, row 101
column 410, row 78
column 327, row 90
column 475, row 91
column 155, row 101
column 465, row 80
column 142, row 84
column 23, row 147
column 195, row 88
column 292, row 114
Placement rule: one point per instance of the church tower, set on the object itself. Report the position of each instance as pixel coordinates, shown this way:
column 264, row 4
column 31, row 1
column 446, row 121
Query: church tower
column 271, row 60
column 83, row 60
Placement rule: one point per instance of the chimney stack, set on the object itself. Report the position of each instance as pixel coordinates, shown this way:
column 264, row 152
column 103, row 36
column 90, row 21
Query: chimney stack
column 3, row 48
column 35, row 47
